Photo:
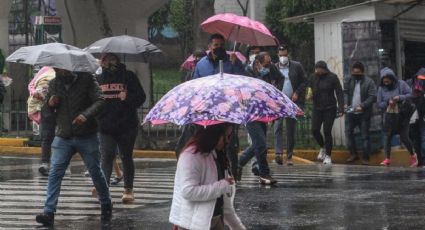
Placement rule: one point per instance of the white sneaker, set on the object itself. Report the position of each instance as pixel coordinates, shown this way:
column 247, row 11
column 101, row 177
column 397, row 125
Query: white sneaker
column 327, row 160
column 322, row 154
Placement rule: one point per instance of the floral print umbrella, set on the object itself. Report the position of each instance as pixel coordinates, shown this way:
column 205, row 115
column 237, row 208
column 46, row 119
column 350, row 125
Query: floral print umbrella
column 222, row 98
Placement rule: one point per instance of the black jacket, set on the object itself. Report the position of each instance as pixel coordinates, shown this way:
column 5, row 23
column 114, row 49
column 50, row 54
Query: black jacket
column 298, row 80
column 367, row 92
column 119, row 116
column 324, row 89
column 82, row 97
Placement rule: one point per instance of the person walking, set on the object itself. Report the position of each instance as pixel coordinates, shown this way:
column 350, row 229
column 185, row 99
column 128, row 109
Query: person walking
column 360, row 95
column 265, row 70
column 75, row 99
column 327, row 91
column 203, row 190
column 393, row 94
column 118, row 122
column 417, row 84
column 294, row 86
column 206, row 66
column 40, row 113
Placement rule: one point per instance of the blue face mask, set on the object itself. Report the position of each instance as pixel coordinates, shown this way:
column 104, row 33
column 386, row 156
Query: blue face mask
column 264, row 71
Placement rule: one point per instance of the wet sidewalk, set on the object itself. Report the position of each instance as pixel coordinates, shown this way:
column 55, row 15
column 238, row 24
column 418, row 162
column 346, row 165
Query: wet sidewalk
column 306, row 197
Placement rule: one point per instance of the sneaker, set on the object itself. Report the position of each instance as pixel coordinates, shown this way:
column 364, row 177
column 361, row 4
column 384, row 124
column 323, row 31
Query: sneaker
column 327, row 160
column 116, row 180
column 267, row 180
column 289, row 162
column 44, row 169
column 278, row 159
column 413, row 160
column 128, row 196
column 352, row 158
column 86, row 173
column 365, row 162
column 45, row 218
column 322, row 154
column 106, row 213
column 386, row 162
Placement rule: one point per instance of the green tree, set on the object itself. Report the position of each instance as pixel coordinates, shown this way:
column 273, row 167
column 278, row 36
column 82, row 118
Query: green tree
column 158, row 21
column 299, row 37
column 181, row 22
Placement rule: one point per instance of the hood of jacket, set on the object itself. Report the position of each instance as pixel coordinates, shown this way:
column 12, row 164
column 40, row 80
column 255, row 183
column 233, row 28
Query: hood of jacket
column 387, row 72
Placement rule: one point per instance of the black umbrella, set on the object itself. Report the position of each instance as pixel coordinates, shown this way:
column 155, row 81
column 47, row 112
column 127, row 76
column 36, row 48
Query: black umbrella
column 128, row 48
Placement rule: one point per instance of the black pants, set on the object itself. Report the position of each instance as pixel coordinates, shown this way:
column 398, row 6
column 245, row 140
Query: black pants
column 415, row 136
column 48, row 125
column 403, row 130
column 363, row 122
column 108, row 150
column 327, row 118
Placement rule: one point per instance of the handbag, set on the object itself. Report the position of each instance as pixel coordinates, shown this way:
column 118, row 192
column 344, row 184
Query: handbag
column 391, row 119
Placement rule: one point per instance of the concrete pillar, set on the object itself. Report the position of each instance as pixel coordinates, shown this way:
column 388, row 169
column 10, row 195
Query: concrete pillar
column 4, row 46
column 83, row 23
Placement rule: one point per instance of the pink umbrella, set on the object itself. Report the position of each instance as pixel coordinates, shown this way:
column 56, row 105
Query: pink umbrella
column 189, row 64
column 240, row 29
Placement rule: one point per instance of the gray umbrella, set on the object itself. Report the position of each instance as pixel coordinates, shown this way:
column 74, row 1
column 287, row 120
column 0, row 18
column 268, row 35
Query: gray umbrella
column 128, row 48
column 56, row 55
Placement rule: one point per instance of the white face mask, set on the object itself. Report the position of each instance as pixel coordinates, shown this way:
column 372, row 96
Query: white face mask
column 252, row 58
column 283, row 60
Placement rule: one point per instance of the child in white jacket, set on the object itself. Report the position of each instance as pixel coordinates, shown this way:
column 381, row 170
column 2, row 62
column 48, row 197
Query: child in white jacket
column 203, row 191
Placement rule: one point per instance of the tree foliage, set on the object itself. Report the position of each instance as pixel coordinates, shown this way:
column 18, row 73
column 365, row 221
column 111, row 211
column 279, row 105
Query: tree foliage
column 299, row 37
column 158, row 21
column 181, row 22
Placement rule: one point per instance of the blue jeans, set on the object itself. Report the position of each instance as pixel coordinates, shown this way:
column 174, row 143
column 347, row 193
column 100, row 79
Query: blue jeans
column 291, row 127
column 257, row 131
column 62, row 151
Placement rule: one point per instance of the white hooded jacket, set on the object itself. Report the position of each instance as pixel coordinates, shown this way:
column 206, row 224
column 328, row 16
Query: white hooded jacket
column 196, row 189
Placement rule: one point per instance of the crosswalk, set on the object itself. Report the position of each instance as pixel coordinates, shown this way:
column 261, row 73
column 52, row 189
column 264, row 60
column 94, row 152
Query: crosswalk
column 22, row 199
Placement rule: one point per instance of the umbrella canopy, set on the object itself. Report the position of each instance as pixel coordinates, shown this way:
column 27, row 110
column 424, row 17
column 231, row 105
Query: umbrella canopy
column 222, row 98
column 55, row 55
column 240, row 29
column 188, row 64
column 128, row 48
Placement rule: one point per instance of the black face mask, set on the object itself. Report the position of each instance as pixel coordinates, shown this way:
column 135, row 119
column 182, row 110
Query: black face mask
column 220, row 53
column 357, row 76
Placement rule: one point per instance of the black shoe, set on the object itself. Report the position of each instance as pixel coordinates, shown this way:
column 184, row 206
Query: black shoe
column 46, row 218
column 116, row 180
column 267, row 180
column 44, row 169
column 278, row 159
column 106, row 214
column 352, row 158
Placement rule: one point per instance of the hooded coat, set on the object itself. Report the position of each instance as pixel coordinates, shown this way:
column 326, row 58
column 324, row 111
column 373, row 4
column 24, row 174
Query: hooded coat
column 398, row 88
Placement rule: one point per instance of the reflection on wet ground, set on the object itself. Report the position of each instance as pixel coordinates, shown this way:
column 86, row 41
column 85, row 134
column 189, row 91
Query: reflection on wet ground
column 306, row 197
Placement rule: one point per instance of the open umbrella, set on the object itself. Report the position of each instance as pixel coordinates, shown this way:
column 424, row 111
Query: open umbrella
column 188, row 64
column 128, row 48
column 240, row 29
column 55, row 55
column 222, row 98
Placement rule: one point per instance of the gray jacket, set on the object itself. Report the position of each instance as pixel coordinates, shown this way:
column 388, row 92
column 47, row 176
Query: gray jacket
column 399, row 88
column 82, row 97
column 367, row 92
column 298, row 80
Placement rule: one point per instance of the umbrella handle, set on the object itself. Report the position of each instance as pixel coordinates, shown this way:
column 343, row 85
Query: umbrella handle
column 220, row 66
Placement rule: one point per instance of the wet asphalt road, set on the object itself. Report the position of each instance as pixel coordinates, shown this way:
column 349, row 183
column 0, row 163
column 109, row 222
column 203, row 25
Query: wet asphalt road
column 306, row 197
